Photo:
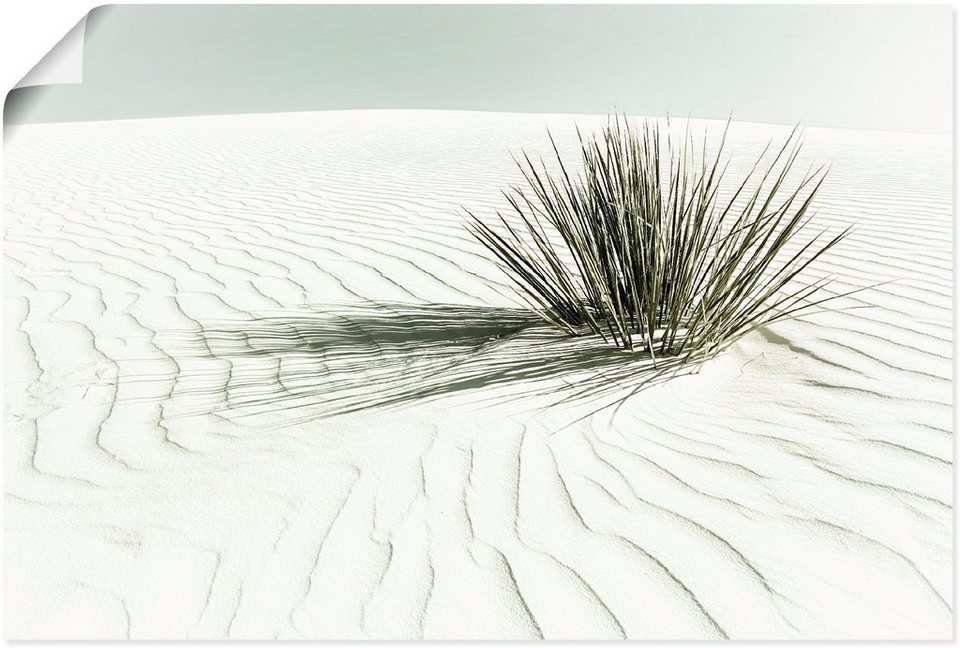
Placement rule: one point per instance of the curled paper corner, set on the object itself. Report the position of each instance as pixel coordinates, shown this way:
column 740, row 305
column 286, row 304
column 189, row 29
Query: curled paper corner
column 60, row 70
column 62, row 64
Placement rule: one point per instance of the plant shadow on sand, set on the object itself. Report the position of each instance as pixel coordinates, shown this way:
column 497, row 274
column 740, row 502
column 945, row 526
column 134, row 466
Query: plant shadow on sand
column 342, row 359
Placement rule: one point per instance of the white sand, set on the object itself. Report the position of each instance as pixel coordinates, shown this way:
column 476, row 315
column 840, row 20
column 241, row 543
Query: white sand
column 212, row 428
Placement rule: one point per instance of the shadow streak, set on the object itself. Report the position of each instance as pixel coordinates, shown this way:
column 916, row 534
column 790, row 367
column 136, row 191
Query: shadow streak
column 351, row 358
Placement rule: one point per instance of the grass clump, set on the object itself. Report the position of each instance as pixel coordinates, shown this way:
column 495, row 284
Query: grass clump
column 639, row 248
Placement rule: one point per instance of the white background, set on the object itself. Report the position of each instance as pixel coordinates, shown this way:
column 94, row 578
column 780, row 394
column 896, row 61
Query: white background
column 30, row 28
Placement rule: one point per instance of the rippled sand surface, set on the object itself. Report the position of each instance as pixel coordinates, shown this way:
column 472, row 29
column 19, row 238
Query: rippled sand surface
column 260, row 382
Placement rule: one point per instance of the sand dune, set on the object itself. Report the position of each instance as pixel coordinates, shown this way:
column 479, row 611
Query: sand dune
column 260, row 382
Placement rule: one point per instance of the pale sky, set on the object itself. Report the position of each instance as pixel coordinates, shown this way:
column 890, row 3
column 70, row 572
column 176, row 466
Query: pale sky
column 884, row 67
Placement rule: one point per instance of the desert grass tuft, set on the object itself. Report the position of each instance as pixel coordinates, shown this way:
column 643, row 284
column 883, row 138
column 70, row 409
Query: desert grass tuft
column 638, row 246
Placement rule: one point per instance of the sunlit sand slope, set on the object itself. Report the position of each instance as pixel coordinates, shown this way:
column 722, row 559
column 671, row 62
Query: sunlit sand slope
column 260, row 382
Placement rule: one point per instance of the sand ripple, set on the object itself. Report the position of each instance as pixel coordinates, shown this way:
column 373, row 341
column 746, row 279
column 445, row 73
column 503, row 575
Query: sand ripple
column 260, row 383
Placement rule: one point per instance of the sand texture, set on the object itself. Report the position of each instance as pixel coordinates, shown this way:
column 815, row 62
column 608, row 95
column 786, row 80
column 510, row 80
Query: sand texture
column 261, row 382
